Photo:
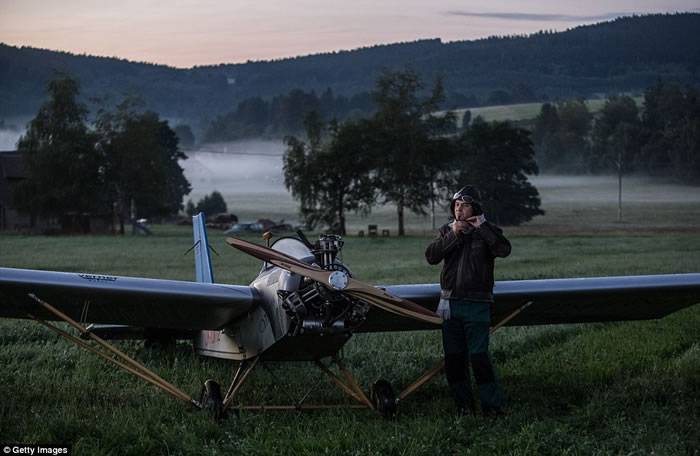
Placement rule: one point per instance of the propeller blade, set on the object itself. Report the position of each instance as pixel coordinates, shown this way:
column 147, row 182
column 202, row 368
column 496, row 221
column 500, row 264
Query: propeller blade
column 404, row 308
column 353, row 287
column 280, row 259
column 386, row 301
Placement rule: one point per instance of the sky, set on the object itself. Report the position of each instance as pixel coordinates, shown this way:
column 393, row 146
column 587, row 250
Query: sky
column 185, row 33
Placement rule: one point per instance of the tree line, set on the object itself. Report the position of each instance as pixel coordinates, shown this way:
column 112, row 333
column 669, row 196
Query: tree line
column 623, row 55
column 406, row 155
column 662, row 138
column 125, row 165
column 283, row 115
column 211, row 204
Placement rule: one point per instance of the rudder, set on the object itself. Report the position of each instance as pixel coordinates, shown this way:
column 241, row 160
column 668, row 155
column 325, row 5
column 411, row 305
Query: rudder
column 202, row 260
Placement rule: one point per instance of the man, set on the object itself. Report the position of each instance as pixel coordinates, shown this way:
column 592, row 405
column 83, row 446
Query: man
column 468, row 246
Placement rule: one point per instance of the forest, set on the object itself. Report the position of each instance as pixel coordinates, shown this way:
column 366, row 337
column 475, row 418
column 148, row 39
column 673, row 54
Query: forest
column 624, row 55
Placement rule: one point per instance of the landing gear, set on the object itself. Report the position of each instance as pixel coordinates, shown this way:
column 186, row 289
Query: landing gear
column 107, row 351
column 212, row 401
column 384, row 399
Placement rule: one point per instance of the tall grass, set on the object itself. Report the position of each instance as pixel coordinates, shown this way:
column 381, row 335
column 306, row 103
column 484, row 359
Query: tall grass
column 616, row 388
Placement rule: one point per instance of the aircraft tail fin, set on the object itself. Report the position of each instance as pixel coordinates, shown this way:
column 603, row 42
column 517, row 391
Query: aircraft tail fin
column 202, row 260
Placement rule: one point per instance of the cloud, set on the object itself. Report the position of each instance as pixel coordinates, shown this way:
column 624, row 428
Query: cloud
column 539, row 17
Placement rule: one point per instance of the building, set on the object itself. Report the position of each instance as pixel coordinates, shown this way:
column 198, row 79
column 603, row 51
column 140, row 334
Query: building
column 12, row 172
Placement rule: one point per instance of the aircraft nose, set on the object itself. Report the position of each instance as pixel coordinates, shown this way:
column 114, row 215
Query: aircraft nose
column 338, row 280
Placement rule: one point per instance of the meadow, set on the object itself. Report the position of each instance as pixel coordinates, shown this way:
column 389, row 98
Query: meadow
column 613, row 388
column 524, row 111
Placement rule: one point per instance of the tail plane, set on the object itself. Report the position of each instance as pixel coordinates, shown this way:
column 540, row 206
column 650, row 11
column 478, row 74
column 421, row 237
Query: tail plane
column 202, row 260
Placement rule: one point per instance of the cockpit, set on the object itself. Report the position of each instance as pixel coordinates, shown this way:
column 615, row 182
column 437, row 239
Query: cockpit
column 293, row 247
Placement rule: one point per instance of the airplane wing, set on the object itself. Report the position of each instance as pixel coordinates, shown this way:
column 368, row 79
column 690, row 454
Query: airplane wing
column 151, row 303
column 552, row 301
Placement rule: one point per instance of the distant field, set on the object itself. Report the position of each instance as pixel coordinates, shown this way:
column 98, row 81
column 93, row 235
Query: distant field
column 253, row 188
column 523, row 111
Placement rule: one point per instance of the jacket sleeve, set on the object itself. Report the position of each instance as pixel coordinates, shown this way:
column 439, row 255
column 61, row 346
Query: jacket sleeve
column 497, row 242
column 446, row 242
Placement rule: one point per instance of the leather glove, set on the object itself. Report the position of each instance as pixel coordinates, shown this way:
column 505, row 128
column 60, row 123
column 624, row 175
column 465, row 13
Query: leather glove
column 476, row 220
column 443, row 309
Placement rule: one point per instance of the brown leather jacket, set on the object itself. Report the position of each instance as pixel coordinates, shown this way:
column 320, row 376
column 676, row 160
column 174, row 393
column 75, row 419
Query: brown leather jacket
column 467, row 271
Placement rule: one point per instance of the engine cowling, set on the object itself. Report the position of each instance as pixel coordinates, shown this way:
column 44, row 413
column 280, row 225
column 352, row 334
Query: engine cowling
column 324, row 308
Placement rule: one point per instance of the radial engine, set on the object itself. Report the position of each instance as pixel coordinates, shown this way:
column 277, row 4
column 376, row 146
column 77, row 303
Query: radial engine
column 324, row 308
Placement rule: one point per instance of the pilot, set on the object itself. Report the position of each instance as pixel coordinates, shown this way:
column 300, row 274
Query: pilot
column 467, row 246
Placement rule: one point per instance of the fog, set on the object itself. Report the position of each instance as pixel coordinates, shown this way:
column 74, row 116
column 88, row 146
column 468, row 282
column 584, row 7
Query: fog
column 238, row 167
column 8, row 139
column 247, row 173
column 255, row 167
column 603, row 189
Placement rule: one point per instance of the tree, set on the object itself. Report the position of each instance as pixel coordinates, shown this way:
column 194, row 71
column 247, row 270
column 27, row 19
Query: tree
column 664, row 106
column 403, row 131
column 499, row 97
column 497, row 158
column 63, row 167
column 289, row 112
column 670, row 131
column 616, row 139
column 685, row 153
column 184, row 135
column 561, row 136
column 142, row 172
column 330, row 179
column 190, row 208
column 212, row 204
column 545, row 135
column 522, row 93
column 574, row 129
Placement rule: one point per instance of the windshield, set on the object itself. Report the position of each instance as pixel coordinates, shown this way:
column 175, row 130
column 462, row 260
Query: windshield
column 292, row 247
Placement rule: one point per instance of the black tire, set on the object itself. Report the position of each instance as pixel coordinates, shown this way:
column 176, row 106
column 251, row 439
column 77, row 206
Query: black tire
column 212, row 401
column 384, row 399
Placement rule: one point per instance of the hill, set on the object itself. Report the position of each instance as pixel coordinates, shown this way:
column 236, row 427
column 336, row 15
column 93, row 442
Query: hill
column 624, row 55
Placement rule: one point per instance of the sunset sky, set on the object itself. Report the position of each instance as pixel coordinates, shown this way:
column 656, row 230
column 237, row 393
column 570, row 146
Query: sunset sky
column 184, row 33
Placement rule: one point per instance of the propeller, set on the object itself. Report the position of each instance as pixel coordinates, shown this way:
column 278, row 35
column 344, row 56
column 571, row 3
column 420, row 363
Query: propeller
column 338, row 280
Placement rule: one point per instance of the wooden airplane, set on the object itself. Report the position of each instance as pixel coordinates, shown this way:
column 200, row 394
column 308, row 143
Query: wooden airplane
column 304, row 305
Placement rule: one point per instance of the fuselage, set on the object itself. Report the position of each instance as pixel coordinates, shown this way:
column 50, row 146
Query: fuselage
column 293, row 319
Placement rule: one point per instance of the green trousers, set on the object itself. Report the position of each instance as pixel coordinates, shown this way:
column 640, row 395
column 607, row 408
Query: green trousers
column 465, row 339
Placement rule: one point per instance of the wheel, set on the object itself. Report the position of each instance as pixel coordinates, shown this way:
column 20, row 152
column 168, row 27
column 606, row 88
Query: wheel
column 384, row 399
column 212, row 401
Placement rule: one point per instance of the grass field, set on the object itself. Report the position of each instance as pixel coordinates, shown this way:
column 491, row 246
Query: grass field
column 615, row 388
column 523, row 111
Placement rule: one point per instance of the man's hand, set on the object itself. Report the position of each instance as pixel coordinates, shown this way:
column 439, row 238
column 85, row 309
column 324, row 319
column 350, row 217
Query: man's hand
column 443, row 309
column 476, row 220
column 461, row 226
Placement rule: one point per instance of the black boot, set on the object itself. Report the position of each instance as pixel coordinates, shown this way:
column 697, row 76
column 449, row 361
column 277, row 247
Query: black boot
column 492, row 412
column 462, row 393
column 465, row 411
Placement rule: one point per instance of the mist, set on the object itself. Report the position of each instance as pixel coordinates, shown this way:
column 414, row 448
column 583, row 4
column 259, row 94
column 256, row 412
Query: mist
column 602, row 189
column 9, row 138
column 237, row 167
column 247, row 173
